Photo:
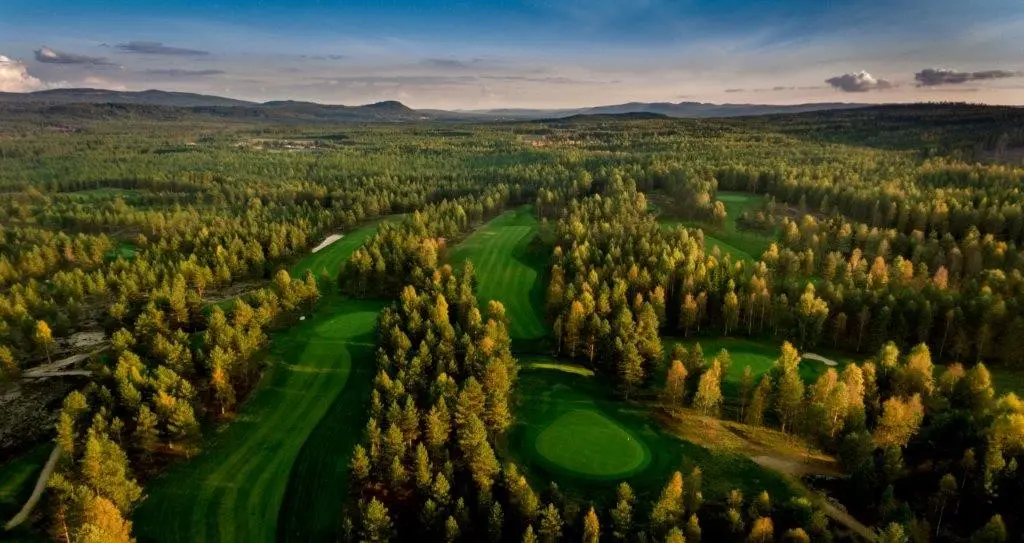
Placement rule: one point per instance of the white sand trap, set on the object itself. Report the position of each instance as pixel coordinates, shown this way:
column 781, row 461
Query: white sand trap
column 330, row 239
column 819, row 358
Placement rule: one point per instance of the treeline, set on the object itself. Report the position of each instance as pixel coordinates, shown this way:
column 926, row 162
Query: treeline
column 145, row 402
column 407, row 252
column 931, row 454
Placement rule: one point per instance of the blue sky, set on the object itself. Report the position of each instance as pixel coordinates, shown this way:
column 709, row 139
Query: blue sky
column 523, row 53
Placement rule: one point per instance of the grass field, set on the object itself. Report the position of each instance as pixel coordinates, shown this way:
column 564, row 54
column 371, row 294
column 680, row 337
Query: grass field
column 742, row 244
column 278, row 471
column 123, row 250
column 570, row 429
column 509, row 270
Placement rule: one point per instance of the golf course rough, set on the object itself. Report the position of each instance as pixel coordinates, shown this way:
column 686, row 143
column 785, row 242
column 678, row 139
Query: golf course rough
column 587, row 443
column 248, row 473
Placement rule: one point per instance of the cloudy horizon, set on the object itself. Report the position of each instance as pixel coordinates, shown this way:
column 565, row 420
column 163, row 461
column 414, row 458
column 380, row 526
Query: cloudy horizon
column 526, row 53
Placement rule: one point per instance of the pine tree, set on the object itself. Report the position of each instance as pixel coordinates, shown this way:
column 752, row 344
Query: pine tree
column 360, row 464
column 550, row 525
column 528, row 536
column 591, row 527
column 622, row 515
column 451, row 530
column 762, row 531
column 146, row 435
column 759, row 402
column 495, row 522
column 668, row 510
column 376, row 522
column 708, row 398
column 675, row 385
column 693, row 531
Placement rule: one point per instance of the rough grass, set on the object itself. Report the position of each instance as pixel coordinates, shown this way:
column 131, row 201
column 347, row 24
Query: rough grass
column 509, row 270
column 546, row 395
column 278, row 471
column 1008, row 380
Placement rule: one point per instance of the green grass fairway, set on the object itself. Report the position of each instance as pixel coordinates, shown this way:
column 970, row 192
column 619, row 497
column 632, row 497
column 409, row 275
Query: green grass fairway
column 759, row 354
column 278, row 471
column 588, row 443
column 570, row 429
column 331, row 258
column 508, row 270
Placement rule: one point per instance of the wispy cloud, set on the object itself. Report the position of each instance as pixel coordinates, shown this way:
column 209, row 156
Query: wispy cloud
column 177, row 73
column 51, row 56
column 859, row 82
column 941, row 76
column 157, row 48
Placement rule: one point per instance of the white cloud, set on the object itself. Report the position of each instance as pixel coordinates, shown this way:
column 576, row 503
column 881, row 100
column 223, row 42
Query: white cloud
column 14, row 77
column 858, row 82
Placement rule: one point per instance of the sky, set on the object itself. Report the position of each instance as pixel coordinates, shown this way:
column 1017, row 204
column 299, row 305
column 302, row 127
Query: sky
column 466, row 54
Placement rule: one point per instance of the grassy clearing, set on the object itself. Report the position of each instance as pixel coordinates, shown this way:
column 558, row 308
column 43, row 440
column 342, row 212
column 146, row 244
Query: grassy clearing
column 106, row 193
column 123, row 250
column 728, row 238
column 509, row 269
column 565, row 407
column 278, row 471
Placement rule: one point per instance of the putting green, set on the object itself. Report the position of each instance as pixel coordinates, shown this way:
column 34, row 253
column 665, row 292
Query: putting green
column 588, row 443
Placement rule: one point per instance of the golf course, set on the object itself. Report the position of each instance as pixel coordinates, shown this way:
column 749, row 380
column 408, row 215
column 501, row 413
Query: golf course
column 509, row 270
column 282, row 452
column 572, row 429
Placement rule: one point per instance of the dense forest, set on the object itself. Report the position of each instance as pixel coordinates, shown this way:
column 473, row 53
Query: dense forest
column 890, row 242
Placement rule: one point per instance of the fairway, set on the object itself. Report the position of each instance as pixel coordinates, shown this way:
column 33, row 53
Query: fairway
column 507, row 270
column 571, row 429
column 588, row 443
column 729, row 238
column 331, row 258
column 283, row 448
column 759, row 354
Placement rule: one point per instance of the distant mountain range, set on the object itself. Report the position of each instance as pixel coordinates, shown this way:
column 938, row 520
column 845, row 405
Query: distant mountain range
column 64, row 102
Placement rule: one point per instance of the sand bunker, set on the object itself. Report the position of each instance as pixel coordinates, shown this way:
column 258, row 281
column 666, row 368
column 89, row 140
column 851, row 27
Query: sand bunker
column 330, row 239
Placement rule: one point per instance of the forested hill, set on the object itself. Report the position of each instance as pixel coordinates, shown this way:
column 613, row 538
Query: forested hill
column 74, row 101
